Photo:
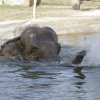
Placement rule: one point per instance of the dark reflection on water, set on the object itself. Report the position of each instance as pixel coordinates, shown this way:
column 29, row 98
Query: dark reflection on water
column 21, row 80
column 38, row 74
column 78, row 70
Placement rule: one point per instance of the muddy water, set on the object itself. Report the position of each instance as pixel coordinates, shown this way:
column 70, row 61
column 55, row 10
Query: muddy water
column 20, row 80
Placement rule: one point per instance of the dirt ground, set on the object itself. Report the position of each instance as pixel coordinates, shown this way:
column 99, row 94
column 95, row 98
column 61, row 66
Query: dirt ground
column 69, row 25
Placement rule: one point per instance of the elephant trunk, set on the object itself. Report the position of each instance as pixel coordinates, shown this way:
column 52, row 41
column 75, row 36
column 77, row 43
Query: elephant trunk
column 79, row 57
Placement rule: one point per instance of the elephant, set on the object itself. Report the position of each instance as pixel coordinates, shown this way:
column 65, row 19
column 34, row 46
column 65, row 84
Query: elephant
column 34, row 43
column 38, row 44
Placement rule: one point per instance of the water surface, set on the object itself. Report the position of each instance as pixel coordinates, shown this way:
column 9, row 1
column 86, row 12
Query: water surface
column 21, row 80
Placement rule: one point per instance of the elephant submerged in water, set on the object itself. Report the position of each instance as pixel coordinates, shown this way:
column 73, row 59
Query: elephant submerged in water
column 36, row 43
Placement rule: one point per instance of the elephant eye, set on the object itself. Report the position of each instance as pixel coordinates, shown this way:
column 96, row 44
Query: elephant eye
column 34, row 49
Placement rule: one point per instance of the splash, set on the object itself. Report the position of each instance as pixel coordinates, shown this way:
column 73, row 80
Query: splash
column 92, row 46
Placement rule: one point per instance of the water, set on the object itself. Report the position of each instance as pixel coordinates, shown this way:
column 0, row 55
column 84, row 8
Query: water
column 92, row 45
column 21, row 80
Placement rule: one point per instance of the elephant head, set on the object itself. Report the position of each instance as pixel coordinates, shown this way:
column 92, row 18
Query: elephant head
column 40, row 43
